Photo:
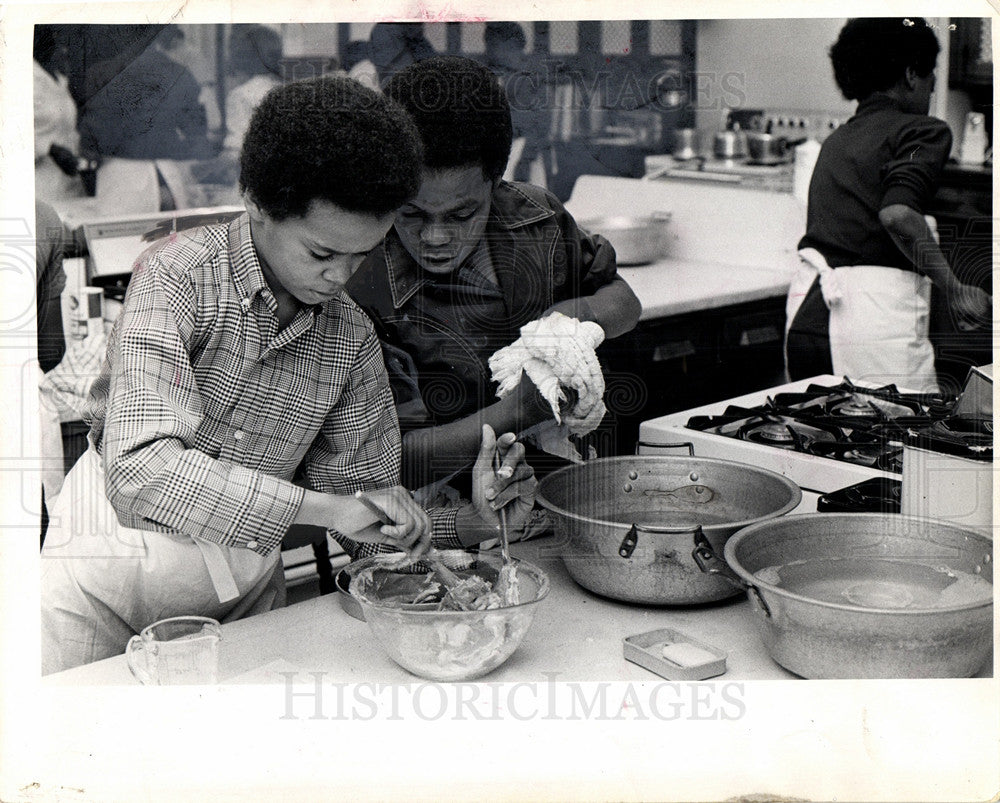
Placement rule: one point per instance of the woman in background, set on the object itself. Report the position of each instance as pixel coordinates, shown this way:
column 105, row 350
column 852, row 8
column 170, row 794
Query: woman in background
column 859, row 304
column 144, row 126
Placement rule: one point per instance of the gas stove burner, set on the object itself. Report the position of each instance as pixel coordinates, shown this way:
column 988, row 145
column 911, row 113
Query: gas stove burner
column 774, row 434
column 856, row 405
column 861, row 405
column 877, row 495
column 964, row 427
column 958, row 435
column 783, row 433
column 847, row 423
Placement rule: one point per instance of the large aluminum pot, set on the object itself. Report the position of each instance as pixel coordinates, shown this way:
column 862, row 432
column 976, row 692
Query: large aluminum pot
column 637, row 240
column 626, row 525
column 859, row 595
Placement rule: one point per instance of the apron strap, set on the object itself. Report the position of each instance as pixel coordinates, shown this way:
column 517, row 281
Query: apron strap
column 833, row 294
column 218, row 570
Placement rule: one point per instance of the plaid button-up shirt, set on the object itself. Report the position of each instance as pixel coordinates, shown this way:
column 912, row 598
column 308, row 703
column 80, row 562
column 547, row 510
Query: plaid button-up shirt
column 204, row 411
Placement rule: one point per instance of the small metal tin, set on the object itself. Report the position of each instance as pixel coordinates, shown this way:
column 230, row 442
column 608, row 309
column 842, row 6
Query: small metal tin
column 646, row 649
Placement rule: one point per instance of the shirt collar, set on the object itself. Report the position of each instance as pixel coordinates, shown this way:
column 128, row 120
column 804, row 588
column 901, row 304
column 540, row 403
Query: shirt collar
column 877, row 102
column 510, row 209
column 243, row 260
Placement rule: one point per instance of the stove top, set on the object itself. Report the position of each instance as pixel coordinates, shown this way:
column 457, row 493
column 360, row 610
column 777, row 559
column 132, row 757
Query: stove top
column 845, row 422
column 825, row 433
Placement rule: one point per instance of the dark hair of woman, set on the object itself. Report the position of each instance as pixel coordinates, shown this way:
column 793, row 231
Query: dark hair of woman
column 330, row 139
column 872, row 54
column 461, row 112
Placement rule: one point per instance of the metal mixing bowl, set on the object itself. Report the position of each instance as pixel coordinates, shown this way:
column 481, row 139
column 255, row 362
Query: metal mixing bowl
column 446, row 645
column 869, row 595
column 626, row 526
column 637, row 239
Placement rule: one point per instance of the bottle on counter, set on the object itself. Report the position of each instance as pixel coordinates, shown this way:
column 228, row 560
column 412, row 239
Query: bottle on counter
column 973, row 149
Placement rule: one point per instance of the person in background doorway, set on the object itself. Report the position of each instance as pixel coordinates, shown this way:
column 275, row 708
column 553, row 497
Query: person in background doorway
column 859, row 305
column 254, row 70
column 176, row 44
column 237, row 362
column 470, row 260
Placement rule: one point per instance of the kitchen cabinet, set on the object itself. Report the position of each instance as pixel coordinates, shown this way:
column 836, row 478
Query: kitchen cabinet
column 682, row 361
column 970, row 53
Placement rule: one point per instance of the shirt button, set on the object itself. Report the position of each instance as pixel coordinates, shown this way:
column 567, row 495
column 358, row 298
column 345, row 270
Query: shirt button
column 251, row 544
column 238, row 435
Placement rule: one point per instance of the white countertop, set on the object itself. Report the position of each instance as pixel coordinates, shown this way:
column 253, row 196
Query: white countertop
column 725, row 244
column 576, row 636
column 672, row 287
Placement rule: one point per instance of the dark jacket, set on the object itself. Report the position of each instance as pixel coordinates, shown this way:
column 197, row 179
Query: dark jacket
column 437, row 350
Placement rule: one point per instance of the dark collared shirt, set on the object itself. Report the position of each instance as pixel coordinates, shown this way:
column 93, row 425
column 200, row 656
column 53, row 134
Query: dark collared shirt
column 880, row 157
column 445, row 329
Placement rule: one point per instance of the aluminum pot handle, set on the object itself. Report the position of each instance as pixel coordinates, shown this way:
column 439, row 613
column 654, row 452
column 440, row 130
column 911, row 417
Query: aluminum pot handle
column 710, row 563
column 631, row 538
column 650, row 445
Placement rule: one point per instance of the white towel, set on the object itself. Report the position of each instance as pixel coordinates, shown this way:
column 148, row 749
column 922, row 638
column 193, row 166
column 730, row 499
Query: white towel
column 556, row 352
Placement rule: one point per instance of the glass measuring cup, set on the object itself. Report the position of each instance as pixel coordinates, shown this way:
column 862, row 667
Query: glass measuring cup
column 183, row 650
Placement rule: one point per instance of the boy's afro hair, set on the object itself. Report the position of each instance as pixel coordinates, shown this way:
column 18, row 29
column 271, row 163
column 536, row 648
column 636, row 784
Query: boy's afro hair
column 461, row 111
column 329, row 139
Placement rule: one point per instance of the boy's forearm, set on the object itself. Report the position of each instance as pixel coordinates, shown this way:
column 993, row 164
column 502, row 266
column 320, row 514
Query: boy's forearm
column 614, row 306
column 432, row 453
column 911, row 234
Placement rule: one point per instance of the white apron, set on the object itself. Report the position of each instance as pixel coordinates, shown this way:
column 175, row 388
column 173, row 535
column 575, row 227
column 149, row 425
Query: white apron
column 879, row 318
column 102, row 582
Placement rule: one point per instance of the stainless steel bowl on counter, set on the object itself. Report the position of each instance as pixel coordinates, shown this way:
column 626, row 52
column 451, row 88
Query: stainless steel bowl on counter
column 627, row 525
column 866, row 595
column 637, row 239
